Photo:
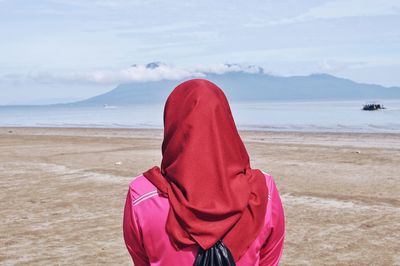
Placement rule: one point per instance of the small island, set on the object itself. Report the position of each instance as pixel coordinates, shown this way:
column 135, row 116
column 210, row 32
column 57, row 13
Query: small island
column 372, row 107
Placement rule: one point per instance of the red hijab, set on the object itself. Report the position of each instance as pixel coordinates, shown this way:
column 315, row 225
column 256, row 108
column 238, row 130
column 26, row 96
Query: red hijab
column 205, row 172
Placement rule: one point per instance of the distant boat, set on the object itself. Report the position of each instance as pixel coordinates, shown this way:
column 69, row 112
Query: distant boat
column 106, row 106
column 373, row 106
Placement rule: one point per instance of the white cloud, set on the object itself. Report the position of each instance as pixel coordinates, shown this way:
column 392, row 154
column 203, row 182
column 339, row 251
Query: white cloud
column 160, row 71
column 344, row 8
column 136, row 73
column 224, row 68
column 139, row 73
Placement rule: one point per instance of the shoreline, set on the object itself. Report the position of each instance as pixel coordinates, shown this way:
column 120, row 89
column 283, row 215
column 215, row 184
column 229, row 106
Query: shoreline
column 252, row 130
column 352, row 139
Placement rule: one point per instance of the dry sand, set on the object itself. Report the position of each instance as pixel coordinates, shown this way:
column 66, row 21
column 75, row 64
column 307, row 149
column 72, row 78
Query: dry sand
column 63, row 190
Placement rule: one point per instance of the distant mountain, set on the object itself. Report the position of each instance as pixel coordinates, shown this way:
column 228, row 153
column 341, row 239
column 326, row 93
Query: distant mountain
column 255, row 86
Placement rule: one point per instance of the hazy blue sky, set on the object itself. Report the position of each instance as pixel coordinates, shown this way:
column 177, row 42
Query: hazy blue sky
column 75, row 49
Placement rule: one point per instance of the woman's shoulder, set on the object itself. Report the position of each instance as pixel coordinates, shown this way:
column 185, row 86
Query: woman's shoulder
column 140, row 187
column 268, row 177
column 270, row 182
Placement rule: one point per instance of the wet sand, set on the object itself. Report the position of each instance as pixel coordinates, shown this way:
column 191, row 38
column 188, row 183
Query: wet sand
column 62, row 193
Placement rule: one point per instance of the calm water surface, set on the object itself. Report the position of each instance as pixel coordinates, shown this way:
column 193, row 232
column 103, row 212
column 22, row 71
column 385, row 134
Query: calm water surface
column 340, row 116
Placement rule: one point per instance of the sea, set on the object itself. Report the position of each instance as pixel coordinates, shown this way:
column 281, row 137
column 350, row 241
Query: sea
column 304, row 116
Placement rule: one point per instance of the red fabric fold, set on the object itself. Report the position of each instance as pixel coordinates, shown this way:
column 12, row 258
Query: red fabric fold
column 205, row 172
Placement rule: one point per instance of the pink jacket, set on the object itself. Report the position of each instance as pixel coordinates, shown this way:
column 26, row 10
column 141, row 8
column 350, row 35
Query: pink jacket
column 145, row 216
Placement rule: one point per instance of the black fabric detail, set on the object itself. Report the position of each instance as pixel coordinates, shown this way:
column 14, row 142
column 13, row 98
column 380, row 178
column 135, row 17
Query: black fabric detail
column 217, row 255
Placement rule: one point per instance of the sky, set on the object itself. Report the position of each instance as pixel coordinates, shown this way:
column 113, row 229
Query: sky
column 59, row 50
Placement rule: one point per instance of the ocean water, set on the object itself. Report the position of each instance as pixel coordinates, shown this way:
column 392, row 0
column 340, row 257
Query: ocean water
column 332, row 116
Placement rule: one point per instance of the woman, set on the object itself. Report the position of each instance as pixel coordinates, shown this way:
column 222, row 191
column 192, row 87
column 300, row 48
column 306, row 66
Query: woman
column 204, row 194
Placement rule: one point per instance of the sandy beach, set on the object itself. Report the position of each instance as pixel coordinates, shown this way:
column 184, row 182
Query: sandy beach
column 62, row 193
